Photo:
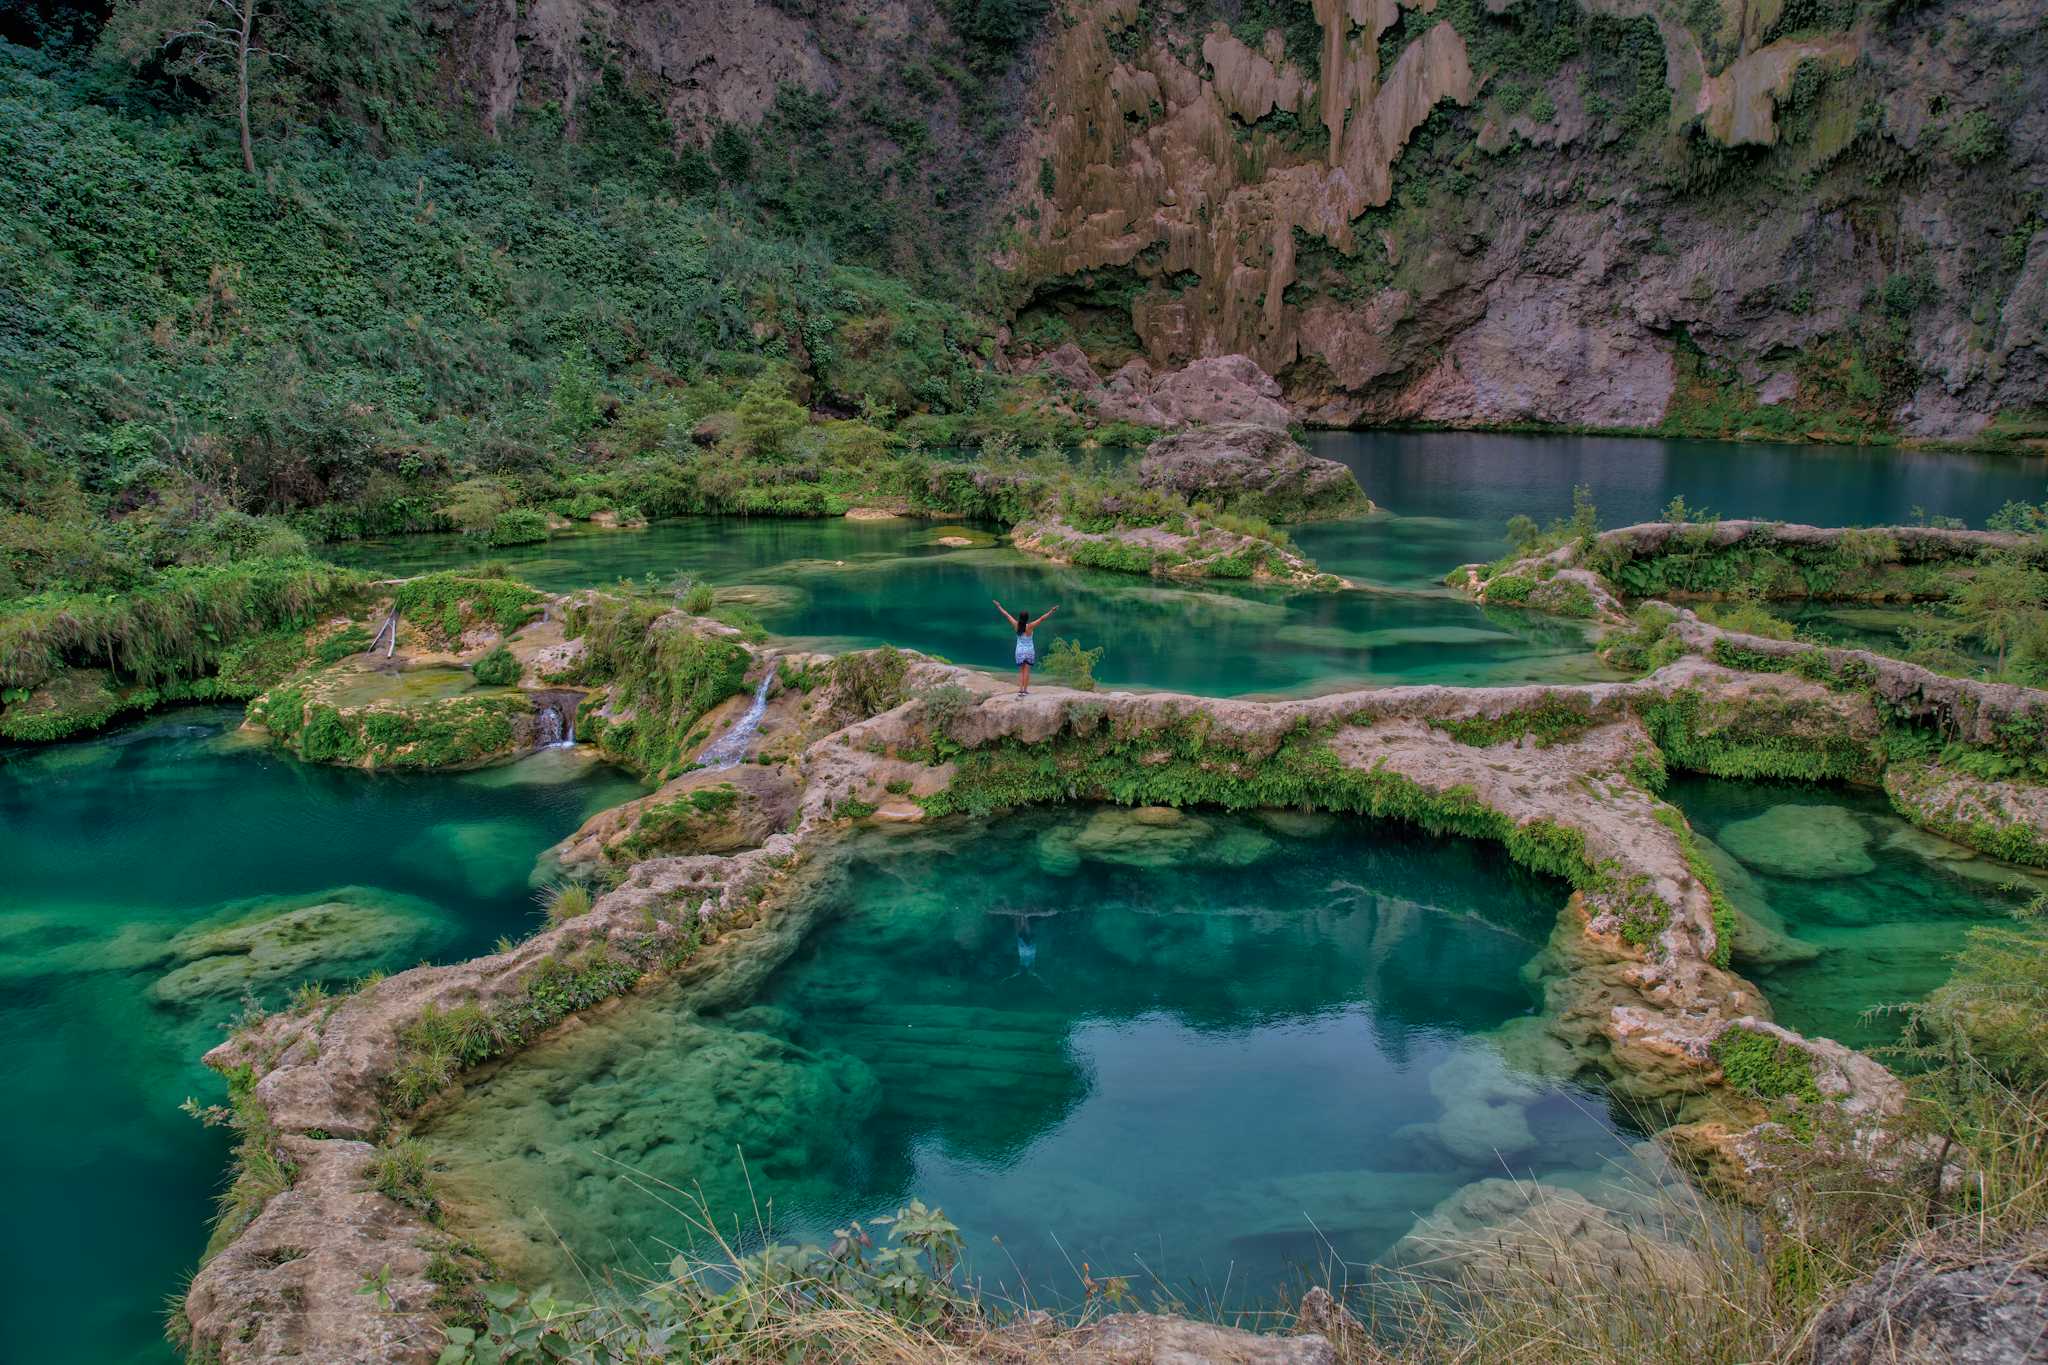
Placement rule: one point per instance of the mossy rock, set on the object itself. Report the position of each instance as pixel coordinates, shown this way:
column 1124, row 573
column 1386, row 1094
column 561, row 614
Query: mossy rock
column 255, row 946
column 1151, row 836
column 1812, row 842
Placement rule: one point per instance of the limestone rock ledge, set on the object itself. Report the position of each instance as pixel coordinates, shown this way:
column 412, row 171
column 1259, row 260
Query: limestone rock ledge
column 1643, row 1006
column 1202, row 551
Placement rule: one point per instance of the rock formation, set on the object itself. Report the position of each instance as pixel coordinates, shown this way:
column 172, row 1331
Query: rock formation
column 1938, row 1305
column 1253, row 470
column 1499, row 215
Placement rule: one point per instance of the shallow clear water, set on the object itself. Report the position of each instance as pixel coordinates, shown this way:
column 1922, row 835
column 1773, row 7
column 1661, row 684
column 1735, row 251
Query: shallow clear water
column 1206, row 1054
column 1873, row 907
column 1266, row 983
column 113, row 848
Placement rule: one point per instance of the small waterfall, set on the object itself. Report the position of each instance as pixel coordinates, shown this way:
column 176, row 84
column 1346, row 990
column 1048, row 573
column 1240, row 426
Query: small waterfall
column 731, row 746
column 554, row 718
column 547, row 727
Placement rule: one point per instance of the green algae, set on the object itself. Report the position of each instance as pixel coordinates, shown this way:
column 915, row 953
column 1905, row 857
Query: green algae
column 1198, row 1071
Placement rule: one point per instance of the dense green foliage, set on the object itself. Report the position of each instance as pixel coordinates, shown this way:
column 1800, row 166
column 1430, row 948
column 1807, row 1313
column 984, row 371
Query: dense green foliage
column 497, row 668
column 662, row 680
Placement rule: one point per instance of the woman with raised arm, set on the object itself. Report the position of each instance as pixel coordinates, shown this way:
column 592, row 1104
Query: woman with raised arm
column 1027, row 653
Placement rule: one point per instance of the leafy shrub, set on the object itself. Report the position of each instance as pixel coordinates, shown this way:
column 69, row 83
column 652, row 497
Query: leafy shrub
column 497, row 668
column 1763, row 1067
column 1975, row 138
column 1746, row 618
column 1509, row 589
column 943, row 704
column 520, row 526
column 1068, row 662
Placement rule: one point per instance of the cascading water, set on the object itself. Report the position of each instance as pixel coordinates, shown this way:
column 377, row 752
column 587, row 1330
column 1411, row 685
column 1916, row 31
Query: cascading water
column 731, row 746
column 547, row 727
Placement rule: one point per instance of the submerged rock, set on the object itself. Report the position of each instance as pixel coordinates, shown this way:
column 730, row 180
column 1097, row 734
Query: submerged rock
column 1151, row 836
column 1485, row 1106
column 258, row 945
column 1495, row 1227
column 1816, row 842
column 1255, row 470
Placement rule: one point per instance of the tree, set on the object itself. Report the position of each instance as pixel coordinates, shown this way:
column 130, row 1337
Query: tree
column 211, row 42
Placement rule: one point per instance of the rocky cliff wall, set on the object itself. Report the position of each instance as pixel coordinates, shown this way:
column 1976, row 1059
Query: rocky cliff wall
column 1809, row 218
column 1787, row 218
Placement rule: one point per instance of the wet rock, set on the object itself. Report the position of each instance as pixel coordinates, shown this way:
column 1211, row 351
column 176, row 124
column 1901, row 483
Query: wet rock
column 2008, row 819
column 1816, row 842
column 1150, row 836
column 1258, row 470
column 1942, row 1306
column 279, row 943
column 705, row 811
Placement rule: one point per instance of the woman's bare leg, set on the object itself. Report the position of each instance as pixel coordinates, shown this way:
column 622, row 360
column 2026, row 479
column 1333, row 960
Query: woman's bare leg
column 1023, row 678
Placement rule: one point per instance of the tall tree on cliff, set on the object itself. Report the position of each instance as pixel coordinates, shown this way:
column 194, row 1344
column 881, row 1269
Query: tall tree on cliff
column 212, row 43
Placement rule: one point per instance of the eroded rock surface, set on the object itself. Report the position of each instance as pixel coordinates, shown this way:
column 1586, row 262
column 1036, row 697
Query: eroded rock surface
column 1939, row 1307
column 1255, row 470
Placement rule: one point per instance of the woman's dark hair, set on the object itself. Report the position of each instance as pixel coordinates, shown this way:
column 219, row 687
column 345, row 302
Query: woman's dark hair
column 1023, row 620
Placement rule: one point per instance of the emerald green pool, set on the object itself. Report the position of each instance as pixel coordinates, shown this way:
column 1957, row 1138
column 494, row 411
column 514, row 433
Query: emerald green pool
column 1214, row 1054
column 848, row 584
column 120, row 853
column 1867, row 909
column 853, row 585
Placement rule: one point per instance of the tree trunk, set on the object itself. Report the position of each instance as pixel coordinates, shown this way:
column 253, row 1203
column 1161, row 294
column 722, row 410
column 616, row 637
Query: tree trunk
column 242, row 82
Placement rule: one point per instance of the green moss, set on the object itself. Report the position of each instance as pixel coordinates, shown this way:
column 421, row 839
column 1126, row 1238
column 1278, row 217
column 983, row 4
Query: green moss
column 665, row 678
column 1696, row 862
column 450, row 602
column 1183, row 765
column 497, row 668
column 440, row 1044
column 1558, row 717
column 1765, row 1068
column 327, row 738
column 678, row 825
column 1752, row 738
column 1508, row 589
column 1110, row 554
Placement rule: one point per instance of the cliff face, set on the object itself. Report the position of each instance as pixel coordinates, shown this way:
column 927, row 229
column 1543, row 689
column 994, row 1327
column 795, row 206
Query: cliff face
column 1792, row 217
column 1773, row 217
